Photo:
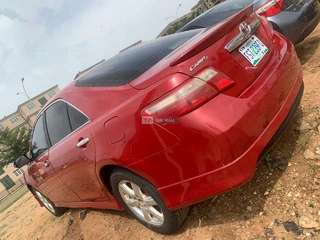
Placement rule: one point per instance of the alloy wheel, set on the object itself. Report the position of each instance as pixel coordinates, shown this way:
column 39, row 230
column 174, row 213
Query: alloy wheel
column 141, row 204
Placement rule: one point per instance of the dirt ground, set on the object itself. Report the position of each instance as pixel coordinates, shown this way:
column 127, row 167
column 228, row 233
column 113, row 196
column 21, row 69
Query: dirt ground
column 282, row 200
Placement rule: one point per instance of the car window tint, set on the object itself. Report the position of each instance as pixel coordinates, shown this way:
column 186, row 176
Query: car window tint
column 39, row 140
column 58, row 124
column 77, row 119
column 133, row 62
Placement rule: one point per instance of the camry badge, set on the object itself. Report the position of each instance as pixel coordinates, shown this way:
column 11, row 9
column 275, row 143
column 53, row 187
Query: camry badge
column 193, row 67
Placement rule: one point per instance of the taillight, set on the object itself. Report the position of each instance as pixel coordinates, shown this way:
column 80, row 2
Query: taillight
column 188, row 96
column 271, row 8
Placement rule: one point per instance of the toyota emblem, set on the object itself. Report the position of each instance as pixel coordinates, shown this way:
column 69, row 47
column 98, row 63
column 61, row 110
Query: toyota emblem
column 245, row 28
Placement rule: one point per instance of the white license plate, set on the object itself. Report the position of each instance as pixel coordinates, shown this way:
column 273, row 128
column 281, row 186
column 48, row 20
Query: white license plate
column 253, row 50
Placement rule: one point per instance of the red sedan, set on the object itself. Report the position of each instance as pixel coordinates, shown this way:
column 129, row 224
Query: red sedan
column 167, row 123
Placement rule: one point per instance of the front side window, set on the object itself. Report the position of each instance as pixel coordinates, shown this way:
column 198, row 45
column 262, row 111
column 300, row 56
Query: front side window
column 39, row 140
column 57, row 122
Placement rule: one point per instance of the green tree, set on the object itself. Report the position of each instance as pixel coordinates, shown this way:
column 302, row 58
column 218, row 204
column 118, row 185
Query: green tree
column 13, row 144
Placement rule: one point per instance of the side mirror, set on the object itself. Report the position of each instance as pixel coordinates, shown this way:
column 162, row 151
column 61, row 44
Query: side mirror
column 21, row 161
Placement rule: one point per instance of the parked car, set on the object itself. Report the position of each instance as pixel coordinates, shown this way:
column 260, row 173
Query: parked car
column 167, row 123
column 295, row 19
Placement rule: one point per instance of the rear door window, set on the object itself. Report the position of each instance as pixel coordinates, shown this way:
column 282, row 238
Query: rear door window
column 58, row 124
column 62, row 119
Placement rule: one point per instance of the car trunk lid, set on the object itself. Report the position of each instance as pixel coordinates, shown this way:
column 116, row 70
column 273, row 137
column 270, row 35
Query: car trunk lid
column 227, row 59
column 239, row 48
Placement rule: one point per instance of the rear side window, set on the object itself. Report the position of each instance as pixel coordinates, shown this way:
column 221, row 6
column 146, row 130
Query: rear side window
column 39, row 140
column 58, row 124
column 77, row 119
column 133, row 62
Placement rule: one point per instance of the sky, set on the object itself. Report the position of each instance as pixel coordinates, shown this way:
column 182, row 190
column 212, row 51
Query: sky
column 47, row 42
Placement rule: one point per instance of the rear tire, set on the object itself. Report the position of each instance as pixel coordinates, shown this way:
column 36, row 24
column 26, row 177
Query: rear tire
column 48, row 204
column 143, row 202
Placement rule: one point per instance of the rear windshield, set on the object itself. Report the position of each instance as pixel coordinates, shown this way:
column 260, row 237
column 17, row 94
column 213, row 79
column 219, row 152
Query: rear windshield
column 130, row 64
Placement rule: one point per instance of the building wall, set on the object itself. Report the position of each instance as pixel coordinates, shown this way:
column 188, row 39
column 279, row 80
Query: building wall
column 10, row 172
column 12, row 121
column 204, row 5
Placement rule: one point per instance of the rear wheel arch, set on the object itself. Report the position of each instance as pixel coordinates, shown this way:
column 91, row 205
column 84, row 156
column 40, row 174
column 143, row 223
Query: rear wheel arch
column 105, row 174
column 107, row 170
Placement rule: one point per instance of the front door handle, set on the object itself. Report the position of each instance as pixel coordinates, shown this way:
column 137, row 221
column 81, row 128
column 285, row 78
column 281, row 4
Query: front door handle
column 83, row 142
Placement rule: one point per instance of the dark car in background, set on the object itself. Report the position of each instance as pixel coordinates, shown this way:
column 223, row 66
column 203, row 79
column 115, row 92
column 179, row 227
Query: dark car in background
column 295, row 19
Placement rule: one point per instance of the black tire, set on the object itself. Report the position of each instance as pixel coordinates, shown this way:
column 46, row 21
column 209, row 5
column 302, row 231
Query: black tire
column 48, row 204
column 147, row 205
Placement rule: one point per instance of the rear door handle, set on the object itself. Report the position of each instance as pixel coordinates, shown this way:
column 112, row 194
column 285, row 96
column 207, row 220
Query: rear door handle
column 83, row 142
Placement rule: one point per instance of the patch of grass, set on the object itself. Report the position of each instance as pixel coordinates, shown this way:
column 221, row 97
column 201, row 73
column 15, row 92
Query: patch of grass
column 312, row 166
column 303, row 142
column 311, row 205
column 269, row 160
column 3, row 233
column 280, row 189
column 4, row 218
column 13, row 202
column 3, row 226
column 64, row 216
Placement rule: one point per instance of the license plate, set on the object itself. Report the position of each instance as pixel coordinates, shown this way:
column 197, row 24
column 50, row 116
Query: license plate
column 253, row 50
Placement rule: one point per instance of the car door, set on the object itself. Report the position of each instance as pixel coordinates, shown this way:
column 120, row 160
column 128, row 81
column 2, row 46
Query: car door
column 44, row 176
column 72, row 154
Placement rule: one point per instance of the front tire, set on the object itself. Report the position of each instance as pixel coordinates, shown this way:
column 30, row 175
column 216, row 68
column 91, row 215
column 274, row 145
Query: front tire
column 48, row 204
column 142, row 200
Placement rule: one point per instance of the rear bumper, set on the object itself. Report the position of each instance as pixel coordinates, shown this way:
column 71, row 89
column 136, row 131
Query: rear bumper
column 237, row 172
column 212, row 179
